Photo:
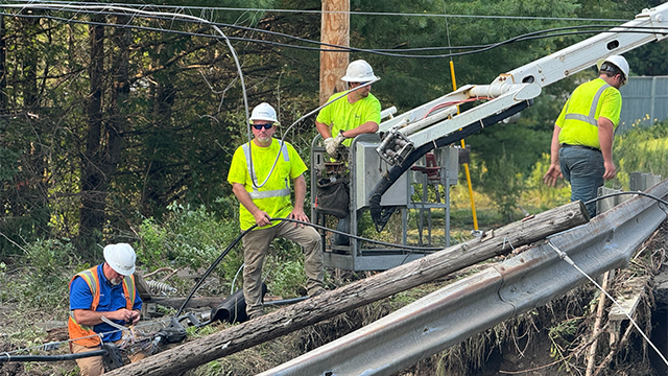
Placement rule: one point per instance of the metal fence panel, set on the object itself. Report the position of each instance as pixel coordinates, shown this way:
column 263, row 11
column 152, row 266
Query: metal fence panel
column 644, row 101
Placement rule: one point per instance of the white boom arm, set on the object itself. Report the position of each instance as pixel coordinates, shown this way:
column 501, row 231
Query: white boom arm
column 439, row 118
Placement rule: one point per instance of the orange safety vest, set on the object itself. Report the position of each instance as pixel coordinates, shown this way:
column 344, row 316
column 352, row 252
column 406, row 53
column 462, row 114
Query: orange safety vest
column 78, row 331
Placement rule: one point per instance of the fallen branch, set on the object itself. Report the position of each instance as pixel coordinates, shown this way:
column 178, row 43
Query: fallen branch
column 492, row 243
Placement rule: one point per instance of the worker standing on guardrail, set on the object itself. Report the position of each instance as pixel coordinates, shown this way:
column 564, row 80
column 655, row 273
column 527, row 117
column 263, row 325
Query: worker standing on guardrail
column 104, row 292
column 263, row 191
column 349, row 117
column 581, row 148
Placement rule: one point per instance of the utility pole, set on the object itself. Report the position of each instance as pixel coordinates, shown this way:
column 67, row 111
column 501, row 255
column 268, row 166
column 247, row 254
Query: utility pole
column 335, row 29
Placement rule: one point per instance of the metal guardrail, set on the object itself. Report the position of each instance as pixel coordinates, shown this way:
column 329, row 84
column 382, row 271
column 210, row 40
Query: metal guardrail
column 472, row 305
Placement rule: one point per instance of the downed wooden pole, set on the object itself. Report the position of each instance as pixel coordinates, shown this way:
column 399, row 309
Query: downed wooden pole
column 492, row 243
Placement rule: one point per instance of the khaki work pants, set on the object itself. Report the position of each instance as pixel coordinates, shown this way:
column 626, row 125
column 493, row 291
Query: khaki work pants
column 94, row 365
column 256, row 246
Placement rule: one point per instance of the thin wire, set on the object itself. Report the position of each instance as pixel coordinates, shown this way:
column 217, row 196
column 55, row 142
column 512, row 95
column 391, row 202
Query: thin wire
column 234, row 281
column 640, row 193
column 41, row 346
column 175, row 16
column 447, row 29
column 566, row 258
column 482, row 48
column 360, row 13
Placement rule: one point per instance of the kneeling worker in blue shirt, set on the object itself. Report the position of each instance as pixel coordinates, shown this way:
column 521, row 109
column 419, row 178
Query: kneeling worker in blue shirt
column 106, row 290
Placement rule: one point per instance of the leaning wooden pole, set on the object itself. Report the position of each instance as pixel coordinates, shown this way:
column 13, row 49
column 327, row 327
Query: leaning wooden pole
column 600, row 312
column 288, row 319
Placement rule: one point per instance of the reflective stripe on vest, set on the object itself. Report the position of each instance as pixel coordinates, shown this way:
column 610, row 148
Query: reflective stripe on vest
column 255, row 194
column 591, row 119
column 85, row 335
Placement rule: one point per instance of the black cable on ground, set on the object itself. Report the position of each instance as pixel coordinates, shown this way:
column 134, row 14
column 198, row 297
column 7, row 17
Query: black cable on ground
column 49, row 358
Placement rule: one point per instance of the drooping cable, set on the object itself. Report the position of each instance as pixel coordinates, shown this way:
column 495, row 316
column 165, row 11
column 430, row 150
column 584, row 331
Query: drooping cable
column 336, row 48
column 361, row 13
column 639, row 193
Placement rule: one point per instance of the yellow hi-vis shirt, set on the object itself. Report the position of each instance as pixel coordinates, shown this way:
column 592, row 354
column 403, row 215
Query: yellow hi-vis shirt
column 343, row 116
column 274, row 197
column 579, row 117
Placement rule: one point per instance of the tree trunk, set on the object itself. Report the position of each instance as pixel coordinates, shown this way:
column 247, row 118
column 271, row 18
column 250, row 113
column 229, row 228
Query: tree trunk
column 93, row 179
column 286, row 320
column 3, row 67
column 32, row 202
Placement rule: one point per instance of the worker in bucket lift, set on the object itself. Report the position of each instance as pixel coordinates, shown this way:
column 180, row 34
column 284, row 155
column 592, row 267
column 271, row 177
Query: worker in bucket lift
column 103, row 291
column 251, row 164
column 349, row 117
column 581, row 148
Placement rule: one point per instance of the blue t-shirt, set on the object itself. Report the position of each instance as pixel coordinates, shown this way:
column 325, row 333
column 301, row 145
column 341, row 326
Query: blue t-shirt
column 112, row 299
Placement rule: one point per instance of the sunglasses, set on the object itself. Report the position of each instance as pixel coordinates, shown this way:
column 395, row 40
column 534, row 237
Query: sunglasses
column 265, row 126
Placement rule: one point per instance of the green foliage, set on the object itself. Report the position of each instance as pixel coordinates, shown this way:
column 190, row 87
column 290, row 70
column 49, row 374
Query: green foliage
column 504, row 182
column 643, row 149
column 285, row 280
column 561, row 336
column 541, row 196
column 40, row 279
column 192, row 238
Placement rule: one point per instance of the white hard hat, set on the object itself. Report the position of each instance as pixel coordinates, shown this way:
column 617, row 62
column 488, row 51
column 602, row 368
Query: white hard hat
column 359, row 71
column 264, row 111
column 618, row 61
column 120, row 257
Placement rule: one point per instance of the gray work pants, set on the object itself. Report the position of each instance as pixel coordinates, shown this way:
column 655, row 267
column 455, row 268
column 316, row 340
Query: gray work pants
column 584, row 169
column 256, row 246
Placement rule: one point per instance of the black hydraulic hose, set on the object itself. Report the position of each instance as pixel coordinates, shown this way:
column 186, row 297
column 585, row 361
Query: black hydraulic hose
column 4, row 357
column 213, row 266
column 236, row 241
column 386, row 181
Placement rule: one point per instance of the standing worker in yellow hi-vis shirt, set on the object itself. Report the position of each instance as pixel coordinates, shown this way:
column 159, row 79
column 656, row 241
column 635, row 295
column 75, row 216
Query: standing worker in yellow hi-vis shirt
column 346, row 118
column 263, row 191
column 581, row 149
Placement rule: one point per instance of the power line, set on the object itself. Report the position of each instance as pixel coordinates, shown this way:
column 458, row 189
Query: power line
column 541, row 34
column 358, row 13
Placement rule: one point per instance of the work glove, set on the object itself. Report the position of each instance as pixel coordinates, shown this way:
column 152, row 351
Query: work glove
column 330, row 147
column 339, row 139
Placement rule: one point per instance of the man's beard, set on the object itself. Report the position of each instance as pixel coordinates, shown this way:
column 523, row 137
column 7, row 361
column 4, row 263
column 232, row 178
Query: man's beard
column 116, row 281
column 264, row 139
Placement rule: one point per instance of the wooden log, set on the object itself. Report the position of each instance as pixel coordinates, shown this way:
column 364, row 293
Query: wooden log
column 291, row 318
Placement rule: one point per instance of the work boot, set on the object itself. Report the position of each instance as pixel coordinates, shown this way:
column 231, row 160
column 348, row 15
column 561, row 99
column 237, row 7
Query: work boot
column 255, row 314
column 343, row 226
column 316, row 292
